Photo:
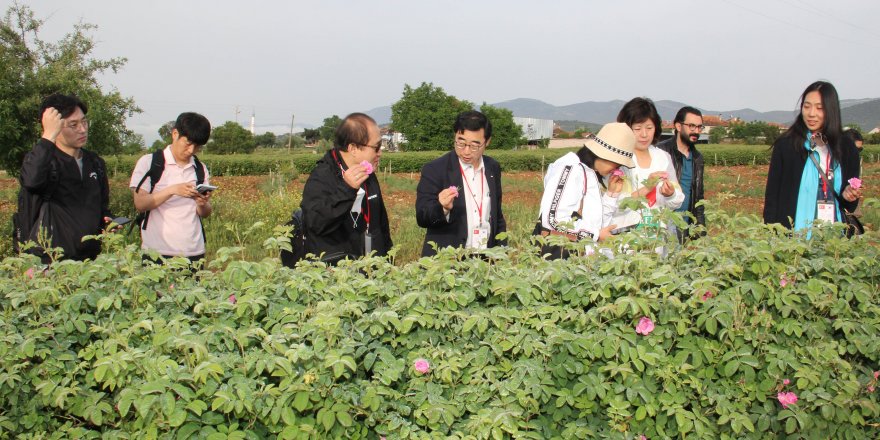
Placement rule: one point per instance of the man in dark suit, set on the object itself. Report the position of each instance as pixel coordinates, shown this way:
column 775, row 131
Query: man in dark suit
column 459, row 194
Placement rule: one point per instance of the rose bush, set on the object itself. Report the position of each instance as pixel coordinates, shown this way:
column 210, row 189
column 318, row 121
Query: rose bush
column 513, row 345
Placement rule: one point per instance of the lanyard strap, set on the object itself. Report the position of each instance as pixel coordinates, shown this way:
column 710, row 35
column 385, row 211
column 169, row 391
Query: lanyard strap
column 474, row 196
column 822, row 173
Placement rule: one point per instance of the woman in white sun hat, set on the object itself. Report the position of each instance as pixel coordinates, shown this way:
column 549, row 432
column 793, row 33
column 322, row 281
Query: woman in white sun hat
column 573, row 204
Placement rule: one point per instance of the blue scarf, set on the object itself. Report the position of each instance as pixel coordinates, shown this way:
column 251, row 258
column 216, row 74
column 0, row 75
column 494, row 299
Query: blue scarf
column 806, row 202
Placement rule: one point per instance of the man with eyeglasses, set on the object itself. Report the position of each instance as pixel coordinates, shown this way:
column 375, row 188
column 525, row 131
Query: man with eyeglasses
column 64, row 188
column 458, row 197
column 343, row 214
column 688, row 162
column 164, row 187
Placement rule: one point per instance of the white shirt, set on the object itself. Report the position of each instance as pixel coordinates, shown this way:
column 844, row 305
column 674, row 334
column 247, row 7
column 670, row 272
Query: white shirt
column 475, row 191
column 174, row 227
column 660, row 161
column 556, row 210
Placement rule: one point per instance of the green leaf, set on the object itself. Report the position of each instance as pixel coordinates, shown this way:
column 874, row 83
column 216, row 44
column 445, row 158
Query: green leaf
column 177, row 418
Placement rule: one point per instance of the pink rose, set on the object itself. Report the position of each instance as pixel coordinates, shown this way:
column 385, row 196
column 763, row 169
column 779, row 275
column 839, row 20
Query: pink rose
column 30, row 273
column 645, row 327
column 855, row 183
column 642, row 437
column 617, row 172
column 232, row 299
column 786, row 381
column 784, row 280
column 787, row 398
column 421, row 365
column 707, row 295
column 454, row 190
column 871, row 388
column 877, row 375
column 368, row 167
column 171, row 286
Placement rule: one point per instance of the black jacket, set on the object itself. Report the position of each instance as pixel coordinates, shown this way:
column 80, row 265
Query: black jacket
column 670, row 146
column 440, row 174
column 787, row 164
column 329, row 226
column 77, row 202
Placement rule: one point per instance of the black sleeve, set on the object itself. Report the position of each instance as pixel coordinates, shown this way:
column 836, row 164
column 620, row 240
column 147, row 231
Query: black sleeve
column 429, row 212
column 850, row 167
column 699, row 211
column 36, row 165
column 105, row 189
column 772, row 193
column 502, row 224
column 326, row 201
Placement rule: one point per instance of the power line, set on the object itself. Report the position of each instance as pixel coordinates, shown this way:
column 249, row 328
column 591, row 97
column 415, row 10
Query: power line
column 814, row 31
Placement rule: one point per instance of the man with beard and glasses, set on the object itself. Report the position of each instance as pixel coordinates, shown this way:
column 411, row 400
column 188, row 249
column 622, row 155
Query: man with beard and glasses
column 688, row 163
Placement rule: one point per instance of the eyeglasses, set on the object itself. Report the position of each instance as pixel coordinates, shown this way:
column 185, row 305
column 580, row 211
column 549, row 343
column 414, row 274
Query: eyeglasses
column 375, row 148
column 75, row 125
column 461, row 144
column 693, row 126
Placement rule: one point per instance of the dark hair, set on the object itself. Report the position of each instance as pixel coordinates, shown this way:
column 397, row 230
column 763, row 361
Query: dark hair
column 832, row 129
column 682, row 114
column 195, row 127
column 639, row 110
column 588, row 158
column 65, row 104
column 853, row 135
column 473, row 121
column 354, row 129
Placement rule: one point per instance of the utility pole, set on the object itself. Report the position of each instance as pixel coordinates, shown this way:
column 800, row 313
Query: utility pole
column 237, row 111
column 290, row 137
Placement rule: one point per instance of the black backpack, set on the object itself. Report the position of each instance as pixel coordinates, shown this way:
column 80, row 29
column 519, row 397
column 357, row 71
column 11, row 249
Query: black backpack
column 31, row 210
column 297, row 241
column 157, row 167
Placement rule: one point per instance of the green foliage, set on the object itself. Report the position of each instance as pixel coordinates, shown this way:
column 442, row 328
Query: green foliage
column 518, row 347
column 506, row 134
column 717, row 134
column 753, row 132
column 328, row 130
column 425, row 116
column 267, row 139
column 231, row 138
column 521, row 160
column 31, row 69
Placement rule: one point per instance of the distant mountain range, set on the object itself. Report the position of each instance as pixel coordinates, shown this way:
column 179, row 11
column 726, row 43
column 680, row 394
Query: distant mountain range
column 864, row 112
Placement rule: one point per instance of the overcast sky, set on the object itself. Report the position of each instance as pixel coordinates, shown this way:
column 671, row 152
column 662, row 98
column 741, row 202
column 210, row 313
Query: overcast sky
column 319, row 58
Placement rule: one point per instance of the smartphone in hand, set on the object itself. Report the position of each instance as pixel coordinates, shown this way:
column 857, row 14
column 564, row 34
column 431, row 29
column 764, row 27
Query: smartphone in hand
column 121, row 220
column 205, row 188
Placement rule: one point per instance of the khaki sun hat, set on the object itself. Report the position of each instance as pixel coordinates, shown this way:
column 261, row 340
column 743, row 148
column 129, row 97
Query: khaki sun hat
column 615, row 142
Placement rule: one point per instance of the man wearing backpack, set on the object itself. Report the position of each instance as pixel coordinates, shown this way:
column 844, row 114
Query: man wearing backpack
column 164, row 188
column 64, row 188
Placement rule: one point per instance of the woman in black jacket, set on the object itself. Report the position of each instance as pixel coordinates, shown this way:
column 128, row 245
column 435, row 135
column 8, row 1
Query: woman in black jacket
column 801, row 189
column 343, row 212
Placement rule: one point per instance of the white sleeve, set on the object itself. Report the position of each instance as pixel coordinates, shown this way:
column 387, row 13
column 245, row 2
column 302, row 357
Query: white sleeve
column 141, row 168
column 558, row 204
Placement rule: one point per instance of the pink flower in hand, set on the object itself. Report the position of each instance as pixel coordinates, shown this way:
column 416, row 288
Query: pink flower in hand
column 368, row 167
column 786, row 381
column 232, row 299
column 421, row 365
column 645, row 327
column 855, row 183
column 454, row 190
column 617, row 172
column 787, row 398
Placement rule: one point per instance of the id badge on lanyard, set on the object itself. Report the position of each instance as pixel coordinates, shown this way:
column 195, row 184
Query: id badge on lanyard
column 825, row 211
column 481, row 236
